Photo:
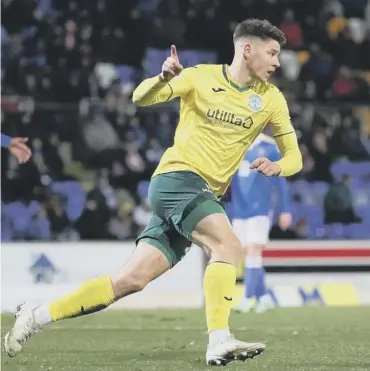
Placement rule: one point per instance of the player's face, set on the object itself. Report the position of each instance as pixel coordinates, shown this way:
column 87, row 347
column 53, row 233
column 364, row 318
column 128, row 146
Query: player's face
column 262, row 58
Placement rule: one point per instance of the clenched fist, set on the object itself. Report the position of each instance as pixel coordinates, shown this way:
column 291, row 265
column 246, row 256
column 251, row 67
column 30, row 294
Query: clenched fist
column 266, row 167
column 171, row 66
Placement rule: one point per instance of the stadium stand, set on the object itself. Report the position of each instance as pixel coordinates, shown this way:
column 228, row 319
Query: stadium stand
column 69, row 68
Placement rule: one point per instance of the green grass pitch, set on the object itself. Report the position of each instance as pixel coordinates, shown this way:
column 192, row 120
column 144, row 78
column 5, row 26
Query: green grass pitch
column 297, row 339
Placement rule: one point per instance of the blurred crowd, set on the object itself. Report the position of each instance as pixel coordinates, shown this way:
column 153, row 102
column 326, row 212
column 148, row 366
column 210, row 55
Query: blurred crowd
column 68, row 71
column 51, row 49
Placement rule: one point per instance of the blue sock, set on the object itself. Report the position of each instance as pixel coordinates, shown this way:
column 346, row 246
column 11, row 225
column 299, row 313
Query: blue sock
column 249, row 283
column 253, row 276
column 261, row 286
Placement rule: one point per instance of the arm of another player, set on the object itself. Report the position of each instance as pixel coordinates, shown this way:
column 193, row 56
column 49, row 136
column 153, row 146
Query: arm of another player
column 5, row 141
column 282, row 188
column 165, row 86
column 17, row 147
column 286, row 139
column 285, row 216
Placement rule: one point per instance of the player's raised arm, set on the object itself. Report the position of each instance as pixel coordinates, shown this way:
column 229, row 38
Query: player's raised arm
column 286, row 139
column 166, row 86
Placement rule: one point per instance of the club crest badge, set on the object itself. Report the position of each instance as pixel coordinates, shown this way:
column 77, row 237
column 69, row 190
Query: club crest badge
column 255, row 103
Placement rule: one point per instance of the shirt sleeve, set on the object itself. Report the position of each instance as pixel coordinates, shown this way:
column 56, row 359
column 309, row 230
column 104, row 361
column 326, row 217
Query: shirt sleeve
column 281, row 186
column 285, row 137
column 283, row 195
column 5, row 140
column 152, row 91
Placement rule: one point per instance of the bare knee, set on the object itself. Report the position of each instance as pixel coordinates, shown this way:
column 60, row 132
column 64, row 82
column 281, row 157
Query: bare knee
column 128, row 283
column 145, row 265
column 215, row 234
column 229, row 250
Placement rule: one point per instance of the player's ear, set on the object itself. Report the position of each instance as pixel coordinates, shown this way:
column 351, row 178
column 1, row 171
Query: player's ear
column 247, row 48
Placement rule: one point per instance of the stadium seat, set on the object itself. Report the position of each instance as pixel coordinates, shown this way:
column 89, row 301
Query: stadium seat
column 75, row 195
column 153, row 60
column 142, row 189
column 127, row 73
column 19, row 215
column 193, row 57
column 7, row 233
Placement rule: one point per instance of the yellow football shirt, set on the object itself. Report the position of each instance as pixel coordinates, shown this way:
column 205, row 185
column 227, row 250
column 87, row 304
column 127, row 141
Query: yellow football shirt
column 219, row 120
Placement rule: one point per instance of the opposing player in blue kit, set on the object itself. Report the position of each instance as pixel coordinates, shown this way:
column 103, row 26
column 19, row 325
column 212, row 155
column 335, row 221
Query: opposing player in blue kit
column 253, row 198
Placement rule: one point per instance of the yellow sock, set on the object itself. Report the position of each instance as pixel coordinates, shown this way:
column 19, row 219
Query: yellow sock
column 91, row 297
column 219, row 284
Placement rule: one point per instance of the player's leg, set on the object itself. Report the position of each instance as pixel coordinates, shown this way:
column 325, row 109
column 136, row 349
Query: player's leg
column 193, row 213
column 240, row 227
column 215, row 233
column 202, row 219
column 146, row 264
column 256, row 237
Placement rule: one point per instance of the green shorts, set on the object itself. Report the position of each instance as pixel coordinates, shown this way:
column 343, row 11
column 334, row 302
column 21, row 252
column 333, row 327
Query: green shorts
column 179, row 201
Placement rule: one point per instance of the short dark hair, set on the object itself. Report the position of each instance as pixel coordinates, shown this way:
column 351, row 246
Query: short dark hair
column 261, row 28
